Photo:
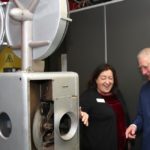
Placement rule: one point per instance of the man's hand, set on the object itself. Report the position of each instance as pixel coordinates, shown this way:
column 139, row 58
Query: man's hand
column 131, row 131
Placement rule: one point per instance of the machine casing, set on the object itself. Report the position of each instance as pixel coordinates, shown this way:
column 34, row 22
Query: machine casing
column 20, row 95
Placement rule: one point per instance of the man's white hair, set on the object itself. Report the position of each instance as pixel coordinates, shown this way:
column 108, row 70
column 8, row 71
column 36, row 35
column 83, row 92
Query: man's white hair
column 144, row 53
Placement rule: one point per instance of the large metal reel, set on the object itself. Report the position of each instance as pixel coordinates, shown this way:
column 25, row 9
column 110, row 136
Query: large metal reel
column 1, row 23
column 49, row 23
column 43, row 127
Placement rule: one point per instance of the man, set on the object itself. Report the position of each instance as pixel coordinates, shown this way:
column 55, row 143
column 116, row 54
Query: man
column 142, row 120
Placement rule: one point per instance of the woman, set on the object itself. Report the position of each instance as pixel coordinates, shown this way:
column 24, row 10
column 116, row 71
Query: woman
column 103, row 113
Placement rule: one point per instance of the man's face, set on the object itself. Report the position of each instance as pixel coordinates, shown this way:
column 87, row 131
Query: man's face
column 144, row 66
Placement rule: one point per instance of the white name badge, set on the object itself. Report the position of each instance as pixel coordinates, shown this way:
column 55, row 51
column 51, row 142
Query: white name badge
column 100, row 100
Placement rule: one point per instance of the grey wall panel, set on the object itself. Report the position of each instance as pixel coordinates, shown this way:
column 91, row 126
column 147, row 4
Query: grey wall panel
column 85, row 43
column 128, row 31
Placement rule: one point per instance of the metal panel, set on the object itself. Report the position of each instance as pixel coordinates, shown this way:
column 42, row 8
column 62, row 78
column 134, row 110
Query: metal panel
column 20, row 97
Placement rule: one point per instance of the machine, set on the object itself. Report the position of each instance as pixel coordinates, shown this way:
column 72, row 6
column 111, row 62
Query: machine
column 38, row 110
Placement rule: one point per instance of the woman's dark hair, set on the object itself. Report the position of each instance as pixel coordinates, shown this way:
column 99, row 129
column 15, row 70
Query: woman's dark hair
column 98, row 71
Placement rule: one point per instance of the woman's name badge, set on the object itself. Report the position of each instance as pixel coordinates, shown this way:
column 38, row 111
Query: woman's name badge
column 100, row 100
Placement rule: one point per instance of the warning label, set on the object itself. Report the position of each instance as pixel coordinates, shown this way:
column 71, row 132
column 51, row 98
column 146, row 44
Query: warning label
column 9, row 62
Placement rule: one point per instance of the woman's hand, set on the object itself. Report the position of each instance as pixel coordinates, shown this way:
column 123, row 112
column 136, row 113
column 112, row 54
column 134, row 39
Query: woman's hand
column 84, row 117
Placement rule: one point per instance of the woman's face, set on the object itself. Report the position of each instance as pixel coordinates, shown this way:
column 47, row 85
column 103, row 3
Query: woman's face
column 105, row 82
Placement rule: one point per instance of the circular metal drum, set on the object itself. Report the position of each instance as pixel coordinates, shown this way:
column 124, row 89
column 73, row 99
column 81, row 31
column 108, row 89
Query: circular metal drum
column 1, row 24
column 65, row 122
column 43, row 127
column 50, row 23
